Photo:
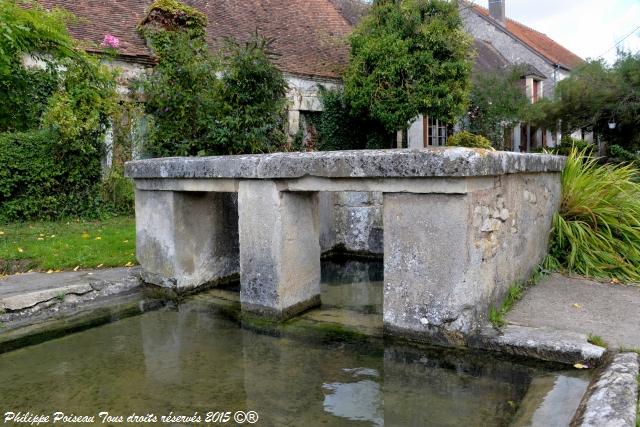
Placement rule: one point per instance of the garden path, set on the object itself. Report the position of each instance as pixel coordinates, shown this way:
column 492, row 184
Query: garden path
column 611, row 311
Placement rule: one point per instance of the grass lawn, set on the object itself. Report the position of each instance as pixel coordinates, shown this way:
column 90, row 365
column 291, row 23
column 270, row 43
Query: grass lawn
column 67, row 245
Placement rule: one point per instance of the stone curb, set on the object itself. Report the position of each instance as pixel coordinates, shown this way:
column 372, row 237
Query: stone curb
column 612, row 397
column 540, row 343
column 21, row 308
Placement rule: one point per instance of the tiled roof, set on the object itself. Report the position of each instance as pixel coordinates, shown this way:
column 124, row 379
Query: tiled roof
column 539, row 42
column 309, row 34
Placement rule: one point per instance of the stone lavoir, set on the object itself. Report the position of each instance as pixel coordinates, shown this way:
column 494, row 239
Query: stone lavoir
column 461, row 226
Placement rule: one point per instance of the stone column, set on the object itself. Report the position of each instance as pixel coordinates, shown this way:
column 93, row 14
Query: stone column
column 279, row 249
column 186, row 239
column 426, row 261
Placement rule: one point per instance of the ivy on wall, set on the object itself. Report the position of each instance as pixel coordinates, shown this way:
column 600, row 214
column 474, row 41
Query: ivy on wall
column 53, row 123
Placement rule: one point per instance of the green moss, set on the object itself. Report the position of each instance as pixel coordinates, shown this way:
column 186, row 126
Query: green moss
column 178, row 14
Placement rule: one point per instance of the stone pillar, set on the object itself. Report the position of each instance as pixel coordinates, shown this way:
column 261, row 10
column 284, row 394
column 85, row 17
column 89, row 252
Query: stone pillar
column 186, row 239
column 279, row 249
column 425, row 263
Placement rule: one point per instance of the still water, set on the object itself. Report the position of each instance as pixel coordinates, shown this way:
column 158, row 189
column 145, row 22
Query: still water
column 190, row 359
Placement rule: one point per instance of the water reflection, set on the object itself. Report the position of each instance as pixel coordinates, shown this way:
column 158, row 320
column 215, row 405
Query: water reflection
column 190, row 359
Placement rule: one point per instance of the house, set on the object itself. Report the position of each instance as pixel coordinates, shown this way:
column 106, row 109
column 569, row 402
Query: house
column 310, row 43
column 508, row 42
column 309, row 38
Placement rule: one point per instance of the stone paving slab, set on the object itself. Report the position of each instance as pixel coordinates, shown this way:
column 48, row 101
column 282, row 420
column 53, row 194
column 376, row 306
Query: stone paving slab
column 584, row 306
column 23, row 291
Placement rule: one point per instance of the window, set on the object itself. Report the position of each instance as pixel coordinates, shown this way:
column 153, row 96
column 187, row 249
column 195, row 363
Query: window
column 437, row 133
column 536, row 90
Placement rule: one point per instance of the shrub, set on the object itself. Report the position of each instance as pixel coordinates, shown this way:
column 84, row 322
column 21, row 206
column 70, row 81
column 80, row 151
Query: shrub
column 623, row 155
column 467, row 139
column 204, row 104
column 117, row 193
column 569, row 144
column 36, row 182
column 597, row 230
column 341, row 128
column 51, row 168
column 25, row 93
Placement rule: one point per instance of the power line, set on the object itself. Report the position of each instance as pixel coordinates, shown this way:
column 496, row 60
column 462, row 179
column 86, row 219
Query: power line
column 618, row 43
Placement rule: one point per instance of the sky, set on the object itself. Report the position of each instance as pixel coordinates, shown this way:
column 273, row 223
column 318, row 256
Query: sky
column 589, row 28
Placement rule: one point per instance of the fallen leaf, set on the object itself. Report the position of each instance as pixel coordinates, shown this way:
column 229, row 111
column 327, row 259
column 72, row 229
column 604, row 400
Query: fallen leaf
column 20, row 250
column 49, row 271
column 85, row 235
column 615, row 281
column 53, row 235
column 577, row 306
column 30, row 271
column 1, row 233
column 77, row 267
column 98, row 238
column 125, row 241
column 129, row 264
column 580, row 366
column 40, row 238
column 57, row 271
column 99, row 265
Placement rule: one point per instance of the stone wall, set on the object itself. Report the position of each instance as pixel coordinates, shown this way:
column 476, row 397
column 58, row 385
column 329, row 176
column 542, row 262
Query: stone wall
column 451, row 257
column 513, row 50
column 352, row 222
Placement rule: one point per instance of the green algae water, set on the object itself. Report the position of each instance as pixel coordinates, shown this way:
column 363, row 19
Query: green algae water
column 192, row 361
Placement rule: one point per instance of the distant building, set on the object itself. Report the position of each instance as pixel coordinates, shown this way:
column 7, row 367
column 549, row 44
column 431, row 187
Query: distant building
column 309, row 38
column 310, row 43
column 502, row 42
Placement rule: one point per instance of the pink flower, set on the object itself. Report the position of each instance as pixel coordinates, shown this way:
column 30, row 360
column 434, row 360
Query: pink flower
column 111, row 41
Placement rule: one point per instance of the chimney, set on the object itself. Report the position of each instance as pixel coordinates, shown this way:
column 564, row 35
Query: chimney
column 497, row 11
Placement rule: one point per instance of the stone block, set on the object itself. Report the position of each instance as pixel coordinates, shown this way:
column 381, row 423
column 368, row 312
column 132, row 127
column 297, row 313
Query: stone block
column 448, row 258
column 280, row 249
column 186, row 239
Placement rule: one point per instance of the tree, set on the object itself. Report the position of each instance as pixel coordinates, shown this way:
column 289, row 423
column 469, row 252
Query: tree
column 205, row 104
column 498, row 101
column 409, row 57
column 52, row 120
column 594, row 96
column 27, row 28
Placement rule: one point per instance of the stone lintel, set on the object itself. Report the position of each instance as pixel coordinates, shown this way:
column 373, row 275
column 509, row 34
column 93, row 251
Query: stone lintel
column 394, row 163
column 202, row 185
column 318, row 184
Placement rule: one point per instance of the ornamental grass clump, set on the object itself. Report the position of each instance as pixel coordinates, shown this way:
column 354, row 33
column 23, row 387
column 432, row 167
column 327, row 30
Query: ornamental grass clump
column 597, row 230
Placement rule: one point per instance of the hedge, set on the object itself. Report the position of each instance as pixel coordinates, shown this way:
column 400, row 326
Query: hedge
column 37, row 182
